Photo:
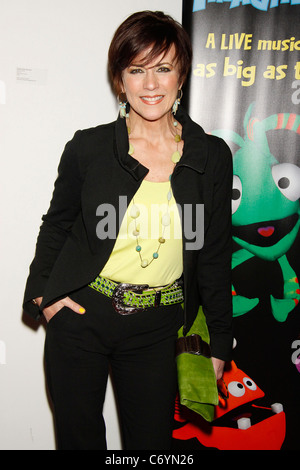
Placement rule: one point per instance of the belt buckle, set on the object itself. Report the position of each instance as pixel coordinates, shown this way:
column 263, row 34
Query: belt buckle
column 118, row 298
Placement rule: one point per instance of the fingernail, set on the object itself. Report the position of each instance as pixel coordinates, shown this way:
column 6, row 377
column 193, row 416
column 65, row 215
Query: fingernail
column 82, row 310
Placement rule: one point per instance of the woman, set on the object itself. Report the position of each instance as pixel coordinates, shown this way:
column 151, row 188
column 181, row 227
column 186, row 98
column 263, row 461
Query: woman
column 121, row 246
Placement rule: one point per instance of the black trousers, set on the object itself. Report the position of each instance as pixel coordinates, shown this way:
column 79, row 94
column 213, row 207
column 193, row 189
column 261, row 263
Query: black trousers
column 138, row 349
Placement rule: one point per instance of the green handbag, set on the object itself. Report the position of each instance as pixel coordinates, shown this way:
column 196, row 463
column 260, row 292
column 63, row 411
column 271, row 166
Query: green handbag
column 196, row 376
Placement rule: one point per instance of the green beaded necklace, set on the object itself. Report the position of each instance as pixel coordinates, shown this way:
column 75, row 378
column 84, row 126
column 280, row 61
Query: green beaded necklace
column 165, row 220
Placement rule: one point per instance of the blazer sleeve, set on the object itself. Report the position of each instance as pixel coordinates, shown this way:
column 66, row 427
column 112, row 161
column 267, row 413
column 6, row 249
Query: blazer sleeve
column 214, row 260
column 56, row 224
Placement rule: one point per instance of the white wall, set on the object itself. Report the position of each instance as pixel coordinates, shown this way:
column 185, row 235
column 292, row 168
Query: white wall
column 53, row 81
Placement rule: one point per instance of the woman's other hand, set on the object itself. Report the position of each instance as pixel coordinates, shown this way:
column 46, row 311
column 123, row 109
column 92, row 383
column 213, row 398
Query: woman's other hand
column 218, row 365
column 52, row 310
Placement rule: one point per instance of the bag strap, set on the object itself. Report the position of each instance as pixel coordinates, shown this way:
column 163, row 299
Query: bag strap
column 196, row 340
column 193, row 344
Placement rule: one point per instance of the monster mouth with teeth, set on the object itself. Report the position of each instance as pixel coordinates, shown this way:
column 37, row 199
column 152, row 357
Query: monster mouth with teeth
column 241, row 422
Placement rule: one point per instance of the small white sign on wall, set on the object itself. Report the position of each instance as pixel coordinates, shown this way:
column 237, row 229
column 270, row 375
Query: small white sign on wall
column 31, row 76
column 2, row 92
column 2, row 352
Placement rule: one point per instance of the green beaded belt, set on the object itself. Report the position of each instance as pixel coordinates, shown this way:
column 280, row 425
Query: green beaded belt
column 132, row 298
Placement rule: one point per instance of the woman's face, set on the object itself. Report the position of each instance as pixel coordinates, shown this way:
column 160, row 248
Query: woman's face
column 152, row 89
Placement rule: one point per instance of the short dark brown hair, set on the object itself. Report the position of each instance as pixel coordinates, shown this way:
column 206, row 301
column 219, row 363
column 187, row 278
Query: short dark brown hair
column 143, row 30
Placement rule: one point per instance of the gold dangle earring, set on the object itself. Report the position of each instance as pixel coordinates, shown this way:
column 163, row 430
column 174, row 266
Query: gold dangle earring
column 123, row 104
column 176, row 155
column 177, row 101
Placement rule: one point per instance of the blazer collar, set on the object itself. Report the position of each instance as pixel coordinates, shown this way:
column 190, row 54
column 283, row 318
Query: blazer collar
column 195, row 149
column 122, row 146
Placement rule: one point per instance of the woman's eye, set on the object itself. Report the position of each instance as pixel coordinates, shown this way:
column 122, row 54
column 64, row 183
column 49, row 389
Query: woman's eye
column 163, row 69
column 134, row 71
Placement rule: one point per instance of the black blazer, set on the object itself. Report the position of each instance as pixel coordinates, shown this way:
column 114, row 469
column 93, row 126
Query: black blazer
column 95, row 168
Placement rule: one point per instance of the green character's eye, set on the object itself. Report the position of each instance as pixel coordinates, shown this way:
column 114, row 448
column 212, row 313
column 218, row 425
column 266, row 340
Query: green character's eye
column 283, row 182
column 236, row 193
column 287, row 178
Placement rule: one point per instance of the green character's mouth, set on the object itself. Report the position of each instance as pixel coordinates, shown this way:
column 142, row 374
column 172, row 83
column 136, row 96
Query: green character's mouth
column 266, row 234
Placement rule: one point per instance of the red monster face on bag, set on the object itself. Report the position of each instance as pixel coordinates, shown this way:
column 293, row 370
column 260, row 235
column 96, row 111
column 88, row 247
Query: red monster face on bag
column 240, row 423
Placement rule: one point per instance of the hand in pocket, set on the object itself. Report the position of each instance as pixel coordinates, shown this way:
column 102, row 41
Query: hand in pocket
column 53, row 309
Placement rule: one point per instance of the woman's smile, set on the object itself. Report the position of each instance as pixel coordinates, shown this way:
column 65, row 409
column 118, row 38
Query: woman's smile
column 152, row 100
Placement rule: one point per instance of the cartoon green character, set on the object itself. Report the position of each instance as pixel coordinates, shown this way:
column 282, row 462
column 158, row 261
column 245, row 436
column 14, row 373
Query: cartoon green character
column 265, row 207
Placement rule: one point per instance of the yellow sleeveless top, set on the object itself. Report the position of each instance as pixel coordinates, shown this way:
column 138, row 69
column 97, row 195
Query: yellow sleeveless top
column 124, row 263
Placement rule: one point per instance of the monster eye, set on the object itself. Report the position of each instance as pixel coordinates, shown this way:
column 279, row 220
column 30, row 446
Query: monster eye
column 236, row 389
column 236, row 193
column 249, row 383
column 287, row 180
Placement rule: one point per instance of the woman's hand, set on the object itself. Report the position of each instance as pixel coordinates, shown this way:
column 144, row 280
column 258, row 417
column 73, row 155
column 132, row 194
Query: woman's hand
column 218, row 365
column 52, row 310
